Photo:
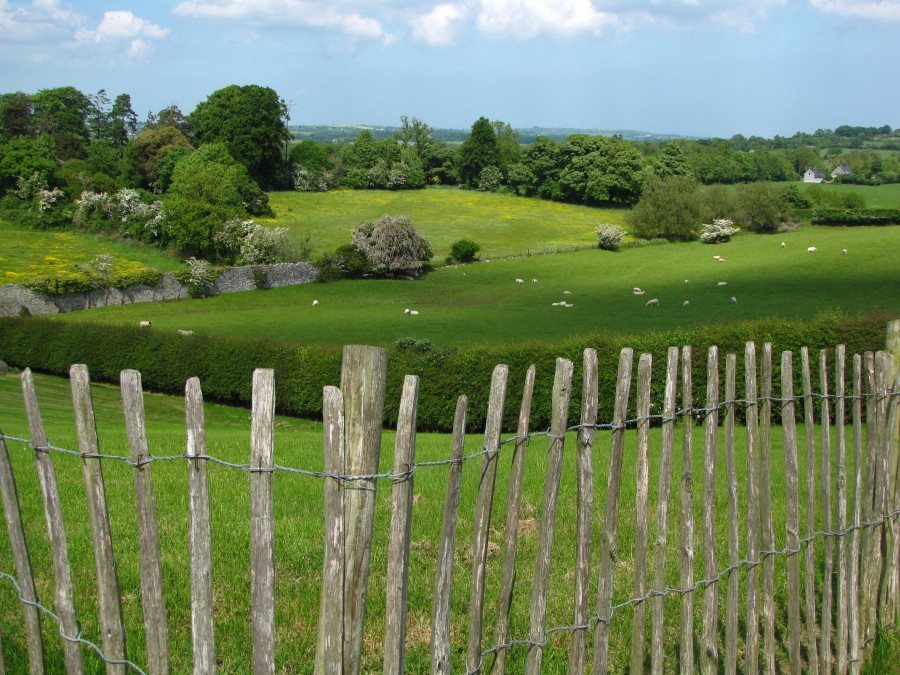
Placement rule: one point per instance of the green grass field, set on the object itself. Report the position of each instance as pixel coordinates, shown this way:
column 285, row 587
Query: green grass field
column 876, row 196
column 299, row 534
column 502, row 224
column 481, row 303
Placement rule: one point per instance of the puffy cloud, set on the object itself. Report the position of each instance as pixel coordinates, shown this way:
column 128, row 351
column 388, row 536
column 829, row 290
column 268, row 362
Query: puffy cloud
column 441, row 25
column 885, row 10
column 42, row 21
column 527, row 18
column 279, row 12
column 124, row 28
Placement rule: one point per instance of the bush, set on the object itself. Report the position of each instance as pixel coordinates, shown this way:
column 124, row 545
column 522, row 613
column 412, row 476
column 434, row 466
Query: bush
column 346, row 262
column 717, row 232
column 392, row 246
column 856, row 217
column 199, row 277
column 464, row 251
column 610, row 237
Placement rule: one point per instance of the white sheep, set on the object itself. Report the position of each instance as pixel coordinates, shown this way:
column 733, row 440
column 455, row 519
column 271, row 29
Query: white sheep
column 520, row 281
column 843, row 251
column 653, row 302
column 414, row 312
column 685, row 282
column 406, row 311
column 534, row 281
column 721, row 259
column 685, row 304
column 315, row 303
column 715, row 257
column 145, row 324
column 782, row 244
column 558, row 304
column 812, row 249
column 722, row 283
column 567, row 292
column 185, row 332
column 733, row 300
column 637, row 291
column 568, row 304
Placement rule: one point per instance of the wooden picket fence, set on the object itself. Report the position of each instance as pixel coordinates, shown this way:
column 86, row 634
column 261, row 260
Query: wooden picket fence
column 849, row 591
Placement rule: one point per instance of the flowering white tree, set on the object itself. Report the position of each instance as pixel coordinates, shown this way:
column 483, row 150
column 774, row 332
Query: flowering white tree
column 610, row 236
column 718, row 231
column 392, row 245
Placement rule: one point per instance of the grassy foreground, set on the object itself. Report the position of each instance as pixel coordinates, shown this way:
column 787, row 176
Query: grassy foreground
column 299, row 535
column 481, row 303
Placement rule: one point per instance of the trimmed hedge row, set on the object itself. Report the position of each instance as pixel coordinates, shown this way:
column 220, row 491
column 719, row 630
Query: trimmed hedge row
column 225, row 365
column 856, row 217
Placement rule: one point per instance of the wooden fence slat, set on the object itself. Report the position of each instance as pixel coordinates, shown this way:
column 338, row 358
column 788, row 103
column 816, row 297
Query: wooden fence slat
column 562, row 394
column 483, row 506
column 686, row 501
column 869, row 539
column 22, row 560
column 401, row 529
column 330, row 644
column 663, row 493
column 511, row 531
column 152, row 594
column 826, row 509
column 262, row 522
column 363, row 384
column 809, row 579
column 841, row 493
column 202, row 634
column 65, row 596
column 709, row 654
column 792, row 521
column 885, row 592
column 112, row 628
column 765, row 510
column 584, row 516
column 641, row 510
column 853, row 568
column 611, row 519
column 731, row 611
column 751, row 658
column 440, row 616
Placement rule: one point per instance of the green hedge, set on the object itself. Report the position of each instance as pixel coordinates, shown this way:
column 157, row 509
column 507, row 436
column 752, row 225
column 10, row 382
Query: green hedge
column 856, row 217
column 225, row 365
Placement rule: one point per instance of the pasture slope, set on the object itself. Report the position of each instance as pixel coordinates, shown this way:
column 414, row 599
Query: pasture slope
column 481, row 303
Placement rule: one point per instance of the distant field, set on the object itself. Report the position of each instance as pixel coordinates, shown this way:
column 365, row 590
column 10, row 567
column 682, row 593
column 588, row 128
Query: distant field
column 481, row 303
column 502, row 224
column 28, row 253
column 876, row 196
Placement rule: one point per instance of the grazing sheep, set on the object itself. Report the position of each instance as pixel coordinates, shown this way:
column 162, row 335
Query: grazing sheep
column 843, row 251
column 567, row 292
column 685, row 304
column 185, row 332
column 685, row 282
column 733, row 300
column 315, row 303
column 520, row 281
column 812, row 249
column 406, row 311
column 715, row 257
column 721, row 259
column 722, row 283
column 145, row 324
column 568, row 304
column 637, row 291
column 653, row 302
column 534, row 281
column 782, row 244
column 558, row 304
column 414, row 312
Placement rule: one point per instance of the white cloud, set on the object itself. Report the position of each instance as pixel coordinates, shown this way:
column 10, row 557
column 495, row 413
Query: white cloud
column 527, row 18
column 281, row 12
column 885, row 10
column 441, row 25
column 43, row 21
column 119, row 28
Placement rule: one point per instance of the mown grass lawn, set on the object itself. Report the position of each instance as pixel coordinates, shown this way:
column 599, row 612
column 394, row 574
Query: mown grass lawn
column 299, row 534
column 481, row 303
column 502, row 224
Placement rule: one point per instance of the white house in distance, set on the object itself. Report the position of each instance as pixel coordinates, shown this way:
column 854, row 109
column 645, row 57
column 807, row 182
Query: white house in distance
column 842, row 170
column 813, row 176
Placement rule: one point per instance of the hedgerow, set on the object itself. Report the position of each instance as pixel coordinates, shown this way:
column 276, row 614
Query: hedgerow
column 225, row 364
column 856, row 217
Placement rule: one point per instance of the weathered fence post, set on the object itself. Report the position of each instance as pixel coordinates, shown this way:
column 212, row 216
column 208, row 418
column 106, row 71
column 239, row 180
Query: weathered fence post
column 511, row 531
column 19, row 549
column 585, row 481
column 440, row 616
column 363, row 383
column 112, row 627
column 262, row 523
column 709, row 654
column 202, row 633
column 65, row 595
column 483, row 507
column 330, row 645
column 840, row 390
column 765, row 511
column 751, row 658
column 152, row 599
column 642, row 517
column 562, row 392
column 611, row 519
column 870, row 541
column 686, row 502
column 401, row 527
column 792, row 522
column 854, row 576
column 662, row 510
column 826, row 508
column 731, row 611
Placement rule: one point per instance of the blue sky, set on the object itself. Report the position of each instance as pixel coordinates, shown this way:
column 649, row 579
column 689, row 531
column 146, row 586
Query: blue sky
column 693, row 67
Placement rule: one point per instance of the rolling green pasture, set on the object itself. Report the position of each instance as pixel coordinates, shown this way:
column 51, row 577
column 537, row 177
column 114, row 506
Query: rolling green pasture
column 481, row 303
column 503, row 224
column 299, row 534
column 876, row 196
column 26, row 253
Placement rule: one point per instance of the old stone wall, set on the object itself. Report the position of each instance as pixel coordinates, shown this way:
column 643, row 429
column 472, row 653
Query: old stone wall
column 14, row 297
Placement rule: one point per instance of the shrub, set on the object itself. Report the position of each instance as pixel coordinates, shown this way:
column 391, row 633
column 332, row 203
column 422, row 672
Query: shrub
column 413, row 344
column 856, row 217
column 246, row 242
column 347, row 261
column 392, row 246
column 464, row 251
column 718, row 231
column 199, row 277
column 610, row 237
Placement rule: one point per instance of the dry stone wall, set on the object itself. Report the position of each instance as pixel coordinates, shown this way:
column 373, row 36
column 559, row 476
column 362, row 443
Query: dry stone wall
column 14, row 297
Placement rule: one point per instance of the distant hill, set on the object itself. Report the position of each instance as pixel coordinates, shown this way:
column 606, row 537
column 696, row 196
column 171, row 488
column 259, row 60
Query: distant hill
column 338, row 133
